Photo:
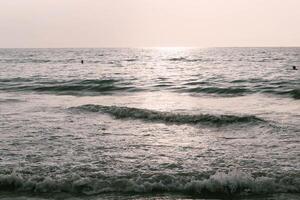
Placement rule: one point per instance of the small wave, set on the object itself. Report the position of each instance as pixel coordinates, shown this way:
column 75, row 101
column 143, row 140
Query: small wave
column 17, row 79
column 278, row 58
column 163, row 85
column 74, row 87
column 176, row 59
column 183, row 59
column 167, row 117
column 262, row 60
column 28, row 60
column 232, row 183
column 251, row 80
column 10, row 100
column 274, row 87
column 221, row 91
column 196, row 83
column 294, row 93
column 131, row 60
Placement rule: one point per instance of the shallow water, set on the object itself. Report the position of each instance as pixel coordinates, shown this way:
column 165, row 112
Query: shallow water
column 220, row 123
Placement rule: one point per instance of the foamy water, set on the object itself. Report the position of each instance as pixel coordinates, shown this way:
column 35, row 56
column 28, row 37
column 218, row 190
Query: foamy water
column 215, row 123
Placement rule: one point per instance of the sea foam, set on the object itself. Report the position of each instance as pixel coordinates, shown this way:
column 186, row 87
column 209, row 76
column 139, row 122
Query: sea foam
column 232, row 183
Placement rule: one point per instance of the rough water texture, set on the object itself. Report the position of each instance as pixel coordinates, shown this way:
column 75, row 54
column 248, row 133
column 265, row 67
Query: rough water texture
column 216, row 123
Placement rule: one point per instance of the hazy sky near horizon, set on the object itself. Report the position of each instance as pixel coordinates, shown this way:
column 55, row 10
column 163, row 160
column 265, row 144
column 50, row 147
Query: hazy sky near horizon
column 149, row 23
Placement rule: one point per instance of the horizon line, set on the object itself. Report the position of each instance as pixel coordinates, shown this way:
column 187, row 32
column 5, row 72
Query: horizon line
column 150, row 47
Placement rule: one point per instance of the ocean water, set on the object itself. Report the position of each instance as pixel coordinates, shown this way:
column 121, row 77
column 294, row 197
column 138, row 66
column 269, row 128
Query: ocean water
column 167, row 123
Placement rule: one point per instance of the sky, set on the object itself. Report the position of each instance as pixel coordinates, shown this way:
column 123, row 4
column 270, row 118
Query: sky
column 149, row 23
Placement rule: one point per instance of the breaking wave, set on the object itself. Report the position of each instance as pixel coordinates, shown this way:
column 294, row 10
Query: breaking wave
column 232, row 183
column 168, row 117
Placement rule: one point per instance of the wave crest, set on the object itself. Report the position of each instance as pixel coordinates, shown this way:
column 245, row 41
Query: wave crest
column 232, row 183
column 168, row 117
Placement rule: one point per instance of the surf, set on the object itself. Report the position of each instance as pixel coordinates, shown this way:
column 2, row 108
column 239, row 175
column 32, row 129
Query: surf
column 233, row 183
column 120, row 112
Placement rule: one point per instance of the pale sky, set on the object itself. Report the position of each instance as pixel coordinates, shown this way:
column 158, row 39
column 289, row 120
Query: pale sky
column 149, row 23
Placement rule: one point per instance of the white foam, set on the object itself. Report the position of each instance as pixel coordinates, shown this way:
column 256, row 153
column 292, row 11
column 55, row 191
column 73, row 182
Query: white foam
column 232, row 183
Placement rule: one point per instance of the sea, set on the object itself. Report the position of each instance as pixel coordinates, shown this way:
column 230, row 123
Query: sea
column 150, row 123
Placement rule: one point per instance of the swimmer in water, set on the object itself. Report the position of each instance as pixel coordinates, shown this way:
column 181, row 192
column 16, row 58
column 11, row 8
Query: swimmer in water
column 81, row 61
column 295, row 68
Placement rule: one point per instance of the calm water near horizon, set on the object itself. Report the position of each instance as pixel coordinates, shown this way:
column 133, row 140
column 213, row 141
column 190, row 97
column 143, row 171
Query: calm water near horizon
column 168, row 123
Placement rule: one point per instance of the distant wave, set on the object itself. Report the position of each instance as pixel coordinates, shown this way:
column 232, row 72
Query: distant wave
column 189, row 59
column 75, row 87
column 183, row 59
column 177, row 59
column 250, row 80
column 261, row 60
column 238, row 87
column 40, row 61
column 232, row 183
column 218, row 90
column 17, row 79
column 293, row 93
column 25, row 60
column 168, row 117
column 131, row 59
column 282, row 88
column 10, row 100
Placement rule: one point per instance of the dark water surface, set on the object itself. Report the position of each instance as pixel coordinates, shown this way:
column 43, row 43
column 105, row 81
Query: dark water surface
column 169, row 123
